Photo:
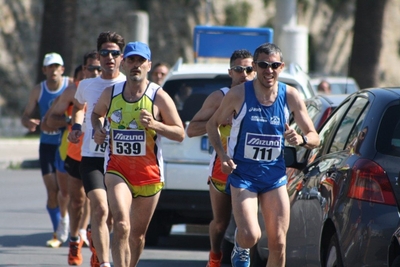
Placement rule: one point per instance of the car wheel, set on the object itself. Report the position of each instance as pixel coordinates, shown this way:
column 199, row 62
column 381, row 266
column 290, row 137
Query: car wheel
column 255, row 259
column 396, row 262
column 226, row 251
column 157, row 228
column 333, row 256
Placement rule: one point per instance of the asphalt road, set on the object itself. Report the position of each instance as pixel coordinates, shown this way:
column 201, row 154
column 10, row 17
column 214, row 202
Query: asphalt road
column 25, row 227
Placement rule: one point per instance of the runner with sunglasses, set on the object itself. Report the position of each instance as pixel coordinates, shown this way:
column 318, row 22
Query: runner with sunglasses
column 109, row 47
column 254, row 161
column 241, row 70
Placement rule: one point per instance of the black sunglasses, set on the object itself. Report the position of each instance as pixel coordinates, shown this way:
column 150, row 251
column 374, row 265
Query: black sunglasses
column 93, row 68
column 240, row 69
column 265, row 64
column 106, row 52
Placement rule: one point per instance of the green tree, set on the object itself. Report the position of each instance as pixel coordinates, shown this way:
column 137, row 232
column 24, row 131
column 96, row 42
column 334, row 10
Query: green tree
column 237, row 14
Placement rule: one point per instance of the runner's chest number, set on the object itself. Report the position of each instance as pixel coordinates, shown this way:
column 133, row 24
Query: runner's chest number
column 129, row 142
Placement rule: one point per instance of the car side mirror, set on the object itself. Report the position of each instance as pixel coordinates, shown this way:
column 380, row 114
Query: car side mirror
column 290, row 156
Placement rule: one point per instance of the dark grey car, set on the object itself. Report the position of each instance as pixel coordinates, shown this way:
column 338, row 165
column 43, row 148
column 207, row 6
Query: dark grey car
column 345, row 194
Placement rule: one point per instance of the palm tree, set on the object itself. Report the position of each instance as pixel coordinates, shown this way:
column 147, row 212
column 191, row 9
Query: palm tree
column 367, row 42
column 58, row 32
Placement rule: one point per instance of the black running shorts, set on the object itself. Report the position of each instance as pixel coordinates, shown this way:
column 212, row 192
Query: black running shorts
column 92, row 173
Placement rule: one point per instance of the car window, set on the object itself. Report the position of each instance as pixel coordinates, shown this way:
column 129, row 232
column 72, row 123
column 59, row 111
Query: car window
column 313, row 112
column 328, row 127
column 388, row 140
column 189, row 94
column 343, row 135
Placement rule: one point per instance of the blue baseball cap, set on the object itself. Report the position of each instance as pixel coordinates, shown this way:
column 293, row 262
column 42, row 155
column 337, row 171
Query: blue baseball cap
column 137, row 48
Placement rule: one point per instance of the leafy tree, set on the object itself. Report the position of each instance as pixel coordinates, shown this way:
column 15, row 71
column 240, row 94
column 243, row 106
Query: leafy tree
column 237, row 14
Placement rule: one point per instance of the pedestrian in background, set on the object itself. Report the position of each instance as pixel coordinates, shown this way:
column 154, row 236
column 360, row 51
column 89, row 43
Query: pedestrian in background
column 324, row 87
column 159, row 72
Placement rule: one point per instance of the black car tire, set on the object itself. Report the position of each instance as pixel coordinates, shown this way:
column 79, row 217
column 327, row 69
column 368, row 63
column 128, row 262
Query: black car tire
column 226, row 251
column 333, row 256
column 157, row 228
column 255, row 259
column 396, row 262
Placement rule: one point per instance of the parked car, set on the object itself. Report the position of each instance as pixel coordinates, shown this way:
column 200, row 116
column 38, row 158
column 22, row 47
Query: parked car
column 185, row 198
column 339, row 84
column 344, row 195
column 320, row 107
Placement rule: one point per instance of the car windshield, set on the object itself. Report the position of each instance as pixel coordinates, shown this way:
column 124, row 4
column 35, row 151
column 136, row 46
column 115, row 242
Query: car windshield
column 189, row 94
column 342, row 88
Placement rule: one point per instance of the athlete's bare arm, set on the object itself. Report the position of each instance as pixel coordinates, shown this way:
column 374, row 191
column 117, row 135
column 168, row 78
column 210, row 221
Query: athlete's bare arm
column 98, row 115
column 303, row 120
column 230, row 105
column 197, row 125
column 56, row 117
column 44, row 126
column 168, row 122
column 26, row 119
column 77, row 117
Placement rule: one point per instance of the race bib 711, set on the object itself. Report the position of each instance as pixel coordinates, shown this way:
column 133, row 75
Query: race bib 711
column 262, row 147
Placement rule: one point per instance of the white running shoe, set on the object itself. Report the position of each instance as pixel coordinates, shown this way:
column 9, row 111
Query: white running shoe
column 63, row 229
column 54, row 242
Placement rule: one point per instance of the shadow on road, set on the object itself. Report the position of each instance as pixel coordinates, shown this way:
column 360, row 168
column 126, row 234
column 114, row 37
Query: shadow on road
column 35, row 240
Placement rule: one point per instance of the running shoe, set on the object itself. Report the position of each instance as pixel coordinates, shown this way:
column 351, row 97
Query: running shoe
column 83, row 235
column 214, row 262
column 75, row 252
column 54, row 242
column 240, row 257
column 94, row 261
column 63, row 229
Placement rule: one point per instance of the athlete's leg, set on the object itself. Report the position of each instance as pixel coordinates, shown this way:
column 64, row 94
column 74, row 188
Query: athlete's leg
column 120, row 200
column 141, row 212
column 276, row 213
column 245, row 208
column 221, row 208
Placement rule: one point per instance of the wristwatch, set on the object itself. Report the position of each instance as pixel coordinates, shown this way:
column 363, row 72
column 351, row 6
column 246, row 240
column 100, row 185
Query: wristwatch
column 305, row 140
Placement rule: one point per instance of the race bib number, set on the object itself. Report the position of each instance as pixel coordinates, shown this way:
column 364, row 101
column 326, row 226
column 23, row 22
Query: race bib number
column 262, row 147
column 129, row 142
column 96, row 148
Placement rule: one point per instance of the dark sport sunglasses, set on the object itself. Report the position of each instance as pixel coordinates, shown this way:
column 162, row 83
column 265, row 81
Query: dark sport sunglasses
column 240, row 69
column 265, row 64
column 106, row 52
column 93, row 68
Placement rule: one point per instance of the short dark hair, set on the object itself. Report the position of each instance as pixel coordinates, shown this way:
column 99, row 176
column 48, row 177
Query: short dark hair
column 77, row 70
column 241, row 53
column 269, row 49
column 92, row 54
column 110, row 37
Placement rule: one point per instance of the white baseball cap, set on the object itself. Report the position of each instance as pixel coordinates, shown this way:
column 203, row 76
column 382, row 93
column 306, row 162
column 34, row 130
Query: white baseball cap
column 52, row 58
